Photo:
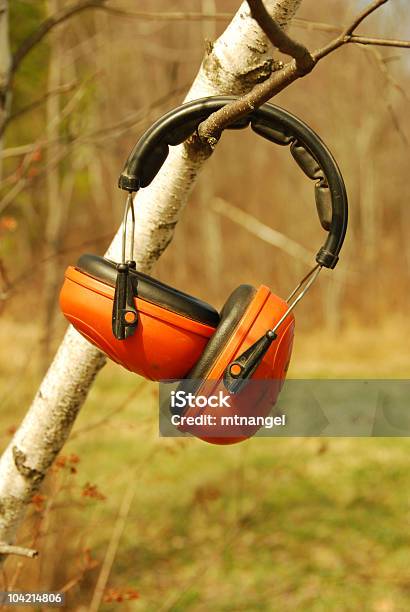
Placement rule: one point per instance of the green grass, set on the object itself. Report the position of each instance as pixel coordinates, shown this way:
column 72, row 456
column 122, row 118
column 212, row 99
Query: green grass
column 270, row 524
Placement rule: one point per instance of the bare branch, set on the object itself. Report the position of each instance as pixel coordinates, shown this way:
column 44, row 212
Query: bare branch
column 61, row 16
column 346, row 34
column 279, row 38
column 390, row 82
column 47, row 25
column 209, row 131
column 381, row 42
column 5, row 63
column 262, row 231
column 109, row 132
column 39, row 101
column 19, row 151
column 10, row 549
column 306, row 24
column 171, row 16
column 276, row 35
column 363, row 15
column 113, row 545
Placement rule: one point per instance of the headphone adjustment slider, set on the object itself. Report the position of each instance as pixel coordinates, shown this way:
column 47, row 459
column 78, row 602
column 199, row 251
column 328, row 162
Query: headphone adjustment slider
column 124, row 314
column 241, row 369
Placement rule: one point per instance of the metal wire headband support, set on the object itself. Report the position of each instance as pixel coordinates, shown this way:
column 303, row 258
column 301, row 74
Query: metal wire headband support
column 241, row 369
column 124, row 313
column 129, row 206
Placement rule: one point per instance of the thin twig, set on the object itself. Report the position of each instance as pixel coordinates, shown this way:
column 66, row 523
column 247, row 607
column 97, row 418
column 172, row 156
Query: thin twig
column 210, row 130
column 66, row 13
column 37, row 36
column 113, row 545
column 21, row 551
column 390, row 82
column 279, row 38
column 110, row 131
column 262, row 231
column 171, row 16
column 380, row 42
column 368, row 47
column 47, row 25
column 363, row 15
column 22, row 149
column 107, row 418
column 346, row 35
column 307, row 24
column 39, row 101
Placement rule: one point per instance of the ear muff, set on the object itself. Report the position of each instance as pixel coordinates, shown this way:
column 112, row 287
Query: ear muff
column 244, row 318
column 231, row 316
column 173, row 327
column 151, row 290
column 162, row 333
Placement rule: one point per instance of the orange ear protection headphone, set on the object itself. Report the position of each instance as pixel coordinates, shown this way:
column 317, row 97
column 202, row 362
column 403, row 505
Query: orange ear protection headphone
column 162, row 333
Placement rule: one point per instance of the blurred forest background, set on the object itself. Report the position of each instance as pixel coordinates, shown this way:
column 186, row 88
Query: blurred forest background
column 152, row 524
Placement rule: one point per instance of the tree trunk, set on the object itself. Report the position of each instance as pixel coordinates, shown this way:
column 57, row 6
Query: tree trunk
column 55, row 202
column 238, row 60
column 5, row 63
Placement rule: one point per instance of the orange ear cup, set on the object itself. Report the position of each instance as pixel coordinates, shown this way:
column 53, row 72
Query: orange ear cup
column 166, row 345
column 257, row 398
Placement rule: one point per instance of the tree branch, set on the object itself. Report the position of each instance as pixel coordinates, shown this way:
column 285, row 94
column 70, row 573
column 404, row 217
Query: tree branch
column 276, row 35
column 279, row 38
column 10, row 549
column 64, row 14
column 5, row 63
column 307, row 24
column 347, row 33
column 62, row 89
column 381, row 42
column 47, row 25
column 169, row 16
column 363, row 15
column 262, row 231
column 210, row 130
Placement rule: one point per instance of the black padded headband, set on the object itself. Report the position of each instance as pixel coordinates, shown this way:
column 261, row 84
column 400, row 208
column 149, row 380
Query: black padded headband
column 274, row 124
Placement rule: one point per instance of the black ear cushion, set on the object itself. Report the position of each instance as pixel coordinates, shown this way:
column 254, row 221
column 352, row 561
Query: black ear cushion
column 151, row 290
column 231, row 314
